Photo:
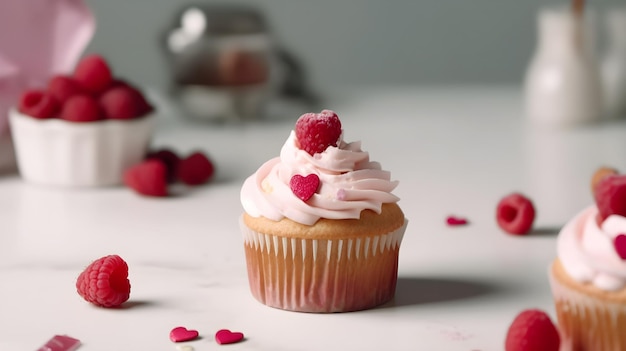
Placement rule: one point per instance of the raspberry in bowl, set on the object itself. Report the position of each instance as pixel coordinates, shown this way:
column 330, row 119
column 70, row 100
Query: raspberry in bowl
column 83, row 129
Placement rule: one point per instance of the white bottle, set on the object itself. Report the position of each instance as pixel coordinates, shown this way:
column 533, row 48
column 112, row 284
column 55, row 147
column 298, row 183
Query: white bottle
column 562, row 84
column 614, row 64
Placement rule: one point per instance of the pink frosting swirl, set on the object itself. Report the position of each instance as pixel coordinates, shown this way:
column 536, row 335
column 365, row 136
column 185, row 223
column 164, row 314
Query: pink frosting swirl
column 587, row 253
column 349, row 184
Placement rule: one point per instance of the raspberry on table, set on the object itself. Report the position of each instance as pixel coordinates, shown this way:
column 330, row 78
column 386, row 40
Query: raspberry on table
column 38, row 104
column 515, row 214
column 105, row 282
column 81, row 108
column 148, row 178
column 532, row 330
column 195, row 169
column 318, row 131
column 170, row 159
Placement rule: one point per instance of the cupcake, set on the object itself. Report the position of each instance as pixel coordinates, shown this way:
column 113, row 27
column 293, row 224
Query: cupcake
column 83, row 130
column 321, row 228
column 588, row 278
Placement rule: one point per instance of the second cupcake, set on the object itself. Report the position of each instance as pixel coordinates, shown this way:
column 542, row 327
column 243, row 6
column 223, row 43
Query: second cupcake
column 588, row 278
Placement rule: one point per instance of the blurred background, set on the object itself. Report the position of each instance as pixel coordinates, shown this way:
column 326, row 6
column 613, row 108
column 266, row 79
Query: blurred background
column 353, row 42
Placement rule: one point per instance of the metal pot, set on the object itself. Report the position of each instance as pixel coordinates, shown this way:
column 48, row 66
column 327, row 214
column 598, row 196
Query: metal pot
column 225, row 64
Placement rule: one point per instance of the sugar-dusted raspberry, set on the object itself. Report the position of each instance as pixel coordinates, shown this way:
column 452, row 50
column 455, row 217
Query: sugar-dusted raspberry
column 93, row 73
column 610, row 196
column 148, row 178
column 170, row 159
column 105, row 282
column 123, row 102
column 515, row 214
column 318, row 131
column 38, row 104
column 195, row 169
column 532, row 330
column 81, row 108
column 64, row 87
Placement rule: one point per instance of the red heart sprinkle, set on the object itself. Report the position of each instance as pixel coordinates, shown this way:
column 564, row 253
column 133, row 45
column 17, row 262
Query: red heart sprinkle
column 304, row 187
column 180, row 334
column 620, row 245
column 452, row 221
column 225, row 336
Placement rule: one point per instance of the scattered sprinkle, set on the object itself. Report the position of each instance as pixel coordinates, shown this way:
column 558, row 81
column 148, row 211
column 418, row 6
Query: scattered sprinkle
column 225, row 336
column 61, row 343
column 180, row 334
column 455, row 221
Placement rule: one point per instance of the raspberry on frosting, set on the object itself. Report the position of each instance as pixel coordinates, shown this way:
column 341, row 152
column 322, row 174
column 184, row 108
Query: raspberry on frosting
column 318, row 131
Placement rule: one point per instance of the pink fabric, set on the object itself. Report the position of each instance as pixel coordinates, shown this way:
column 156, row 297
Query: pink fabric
column 39, row 38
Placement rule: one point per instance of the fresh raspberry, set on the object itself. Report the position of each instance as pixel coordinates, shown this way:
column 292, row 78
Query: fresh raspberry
column 170, row 159
column 600, row 174
column 144, row 106
column 532, row 330
column 515, row 214
column 38, row 104
column 93, row 73
column 610, row 196
column 64, row 87
column 317, row 131
column 105, row 282
column 123, row 102
column 119, row 82
column 147, row 178
column 196, row 169
column 81, row 108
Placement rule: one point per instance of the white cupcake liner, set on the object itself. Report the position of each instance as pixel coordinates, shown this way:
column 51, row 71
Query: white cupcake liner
column 310, row 275
column 587, row 322
column 88, row 154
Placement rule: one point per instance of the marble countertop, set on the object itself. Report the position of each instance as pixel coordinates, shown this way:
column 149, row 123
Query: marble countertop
column 456, row 151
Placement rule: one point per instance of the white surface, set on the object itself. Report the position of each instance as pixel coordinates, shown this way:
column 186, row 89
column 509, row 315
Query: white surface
column 61, row 153
column 455, row 152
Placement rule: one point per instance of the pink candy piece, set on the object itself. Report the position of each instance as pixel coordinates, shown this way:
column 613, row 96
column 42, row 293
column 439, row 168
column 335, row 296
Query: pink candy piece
column 180, row 334
column 304, row 187
column 61, row 343
column 453, row 221
column 225, row 336
column 620, row 245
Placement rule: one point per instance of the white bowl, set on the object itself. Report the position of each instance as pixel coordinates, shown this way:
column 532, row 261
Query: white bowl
column 88, row 154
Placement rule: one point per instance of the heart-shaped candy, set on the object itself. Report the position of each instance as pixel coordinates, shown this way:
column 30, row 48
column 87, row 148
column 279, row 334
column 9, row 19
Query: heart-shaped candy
column 452, row 221
column 620, row 245
column 180, row 334
column 304, row 187
column 225, row 336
